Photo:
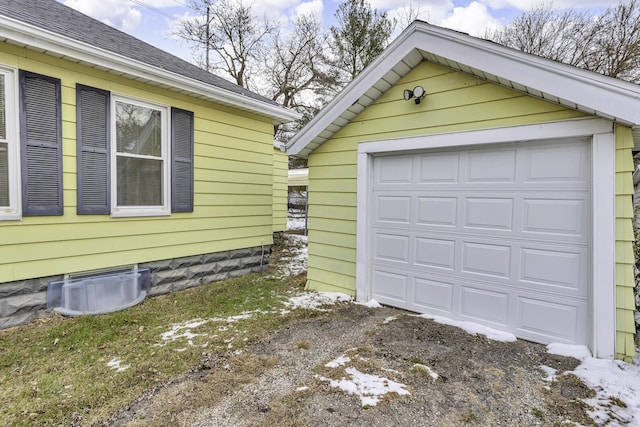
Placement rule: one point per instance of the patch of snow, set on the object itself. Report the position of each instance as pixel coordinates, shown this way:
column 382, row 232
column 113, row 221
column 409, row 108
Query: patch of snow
column 339, row 361
column 389, row 319
column 370, row 388
column 552, row 374
column 474, row 328
column 371, row 304
column 315, row 300
column 181, row 331
column 304, row 388
column 116, row 364
column 426, row 368
column 610, row 379
column 295, row 222
column 296, row 262
column 569, row 350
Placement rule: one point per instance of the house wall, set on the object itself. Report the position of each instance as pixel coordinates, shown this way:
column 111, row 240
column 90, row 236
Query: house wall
column 280, row 187
column 454, row 102
column 625, row 302
column 233, row 172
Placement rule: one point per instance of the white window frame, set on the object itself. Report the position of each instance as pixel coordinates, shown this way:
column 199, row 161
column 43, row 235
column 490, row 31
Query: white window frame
column 132, row 211
column 14, row 210
column 602, row 310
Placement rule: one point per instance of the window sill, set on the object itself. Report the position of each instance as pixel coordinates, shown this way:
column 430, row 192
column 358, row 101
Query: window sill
column 139, row 212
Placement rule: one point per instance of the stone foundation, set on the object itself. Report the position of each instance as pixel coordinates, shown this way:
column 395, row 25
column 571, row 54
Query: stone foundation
column 25, row 300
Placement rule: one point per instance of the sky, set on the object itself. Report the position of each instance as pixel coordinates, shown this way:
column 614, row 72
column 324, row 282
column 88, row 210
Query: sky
column 154, row 21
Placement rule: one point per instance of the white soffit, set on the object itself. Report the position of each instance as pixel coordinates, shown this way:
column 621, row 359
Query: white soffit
column 572, row 87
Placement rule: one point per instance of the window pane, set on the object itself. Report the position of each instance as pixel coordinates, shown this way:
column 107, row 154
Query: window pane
column 3, row 109
column 138, row 130
column 139, row 182
column 4, row 175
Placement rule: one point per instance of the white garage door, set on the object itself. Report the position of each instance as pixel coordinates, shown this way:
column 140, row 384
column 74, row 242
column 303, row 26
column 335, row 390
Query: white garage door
column 498, row 236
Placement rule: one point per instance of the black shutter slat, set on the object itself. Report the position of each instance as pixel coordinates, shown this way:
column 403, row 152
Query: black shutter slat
column 93, row 157
column 41, row 142
column 181, row 160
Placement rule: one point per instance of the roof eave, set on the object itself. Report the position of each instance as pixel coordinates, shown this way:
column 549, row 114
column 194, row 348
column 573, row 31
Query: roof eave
column 23, row 34
column 607, row 97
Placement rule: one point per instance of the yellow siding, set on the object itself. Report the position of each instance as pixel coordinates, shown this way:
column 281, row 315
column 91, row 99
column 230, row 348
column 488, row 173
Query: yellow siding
column 234, row 188
column 456, row 102
column 625, row 325
column 280, row 190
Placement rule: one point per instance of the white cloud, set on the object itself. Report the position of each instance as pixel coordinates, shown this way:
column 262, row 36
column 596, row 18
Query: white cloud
column 473, row 19
column 117, row 13
column 309, row 8
column 557, row 4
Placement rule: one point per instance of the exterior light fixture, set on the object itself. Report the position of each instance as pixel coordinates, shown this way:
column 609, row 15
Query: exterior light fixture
column 417, row 93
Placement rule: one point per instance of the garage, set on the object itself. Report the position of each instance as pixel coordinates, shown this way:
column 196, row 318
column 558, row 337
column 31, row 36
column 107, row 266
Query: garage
column 498, row 236
column 465, row 180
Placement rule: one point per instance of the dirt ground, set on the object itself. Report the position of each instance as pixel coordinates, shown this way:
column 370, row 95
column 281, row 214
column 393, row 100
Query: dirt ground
column 284, row 380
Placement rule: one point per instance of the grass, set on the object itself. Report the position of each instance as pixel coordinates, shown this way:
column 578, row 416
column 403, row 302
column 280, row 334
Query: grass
column 55, row 371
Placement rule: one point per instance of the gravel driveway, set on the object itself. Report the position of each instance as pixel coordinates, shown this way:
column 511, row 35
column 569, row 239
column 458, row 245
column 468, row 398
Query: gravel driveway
column 328, row 371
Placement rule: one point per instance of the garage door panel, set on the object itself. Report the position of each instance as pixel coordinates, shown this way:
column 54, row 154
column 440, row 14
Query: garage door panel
column 491, row 166
column 437, row 296
column 391, row 247
column 390, row 286
column 438, row 253
column 486, row 259
column 437, row 211
column 485, row 212
column 550, row 321
column 439, row 168
column 394, row 170
column 393, row 209
column 558, row 163
column 555, row 216
column 498, row 235
column 485, row 305
column 560, row 268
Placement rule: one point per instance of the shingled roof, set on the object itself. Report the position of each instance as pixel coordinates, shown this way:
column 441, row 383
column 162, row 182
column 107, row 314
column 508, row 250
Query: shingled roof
column 45, row 24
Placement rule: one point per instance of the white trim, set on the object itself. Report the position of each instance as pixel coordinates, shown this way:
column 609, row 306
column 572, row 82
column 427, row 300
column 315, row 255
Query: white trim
column 603, row 191
column 602, row 205
column 52, row 43
column 132, row 211
column 12, row 119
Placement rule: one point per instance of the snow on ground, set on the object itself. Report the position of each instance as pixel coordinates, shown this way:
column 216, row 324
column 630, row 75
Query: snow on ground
column 370, row 388
column 295, row 262
column 315, row 300
column 613, row 381
column 116, row 365
column 474, row 328
column 420, row 367
column 295, row 219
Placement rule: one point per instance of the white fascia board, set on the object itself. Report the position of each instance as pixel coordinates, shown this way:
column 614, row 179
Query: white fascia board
column 607, row 95
column 49, row 42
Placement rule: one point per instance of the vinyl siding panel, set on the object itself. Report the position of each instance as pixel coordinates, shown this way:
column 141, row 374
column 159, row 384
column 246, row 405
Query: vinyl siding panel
column 454, row 102
column 280, row 190
column 625, row 304
column 233, row 188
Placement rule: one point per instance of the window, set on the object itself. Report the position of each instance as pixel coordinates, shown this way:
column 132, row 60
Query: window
column 9, row 147
column 135, row 158
column 140, row 165
column 30, row 145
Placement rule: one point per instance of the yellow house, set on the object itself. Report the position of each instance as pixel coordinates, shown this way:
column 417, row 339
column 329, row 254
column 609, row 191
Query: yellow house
column 460, row 178
column 117, row 155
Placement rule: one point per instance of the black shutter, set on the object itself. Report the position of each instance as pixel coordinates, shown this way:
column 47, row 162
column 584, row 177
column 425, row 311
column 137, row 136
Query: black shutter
column 41, row 144
column 181, row 160
column 93, row 157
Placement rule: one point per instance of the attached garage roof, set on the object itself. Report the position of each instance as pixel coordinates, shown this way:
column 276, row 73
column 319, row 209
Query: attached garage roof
column 572, row 87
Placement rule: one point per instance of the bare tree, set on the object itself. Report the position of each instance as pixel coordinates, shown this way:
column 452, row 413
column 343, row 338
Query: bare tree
column 297, row 74
column 360, row 35
column 608, row 44
column 229, row 30
column 409, row 13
